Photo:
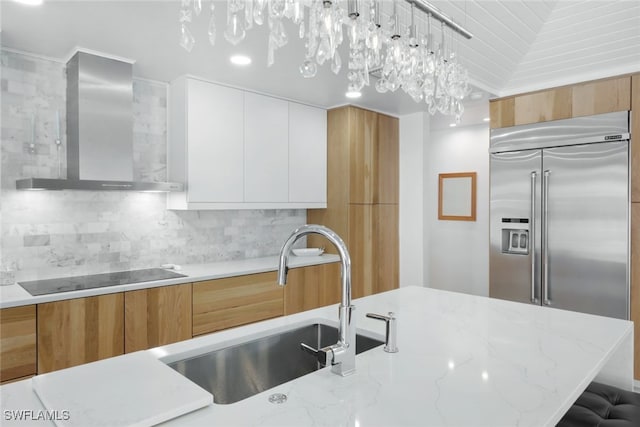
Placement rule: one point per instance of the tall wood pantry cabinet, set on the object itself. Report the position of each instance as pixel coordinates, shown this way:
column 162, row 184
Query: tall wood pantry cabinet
column 362, row 197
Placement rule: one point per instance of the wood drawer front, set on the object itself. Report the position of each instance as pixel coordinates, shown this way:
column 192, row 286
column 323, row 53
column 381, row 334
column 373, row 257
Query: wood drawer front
column 17, row 342
column 225, row 303
column 78, row 331
column 157, row 316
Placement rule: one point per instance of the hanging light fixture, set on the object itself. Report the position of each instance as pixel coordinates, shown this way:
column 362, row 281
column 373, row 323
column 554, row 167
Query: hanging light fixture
column 396, row 53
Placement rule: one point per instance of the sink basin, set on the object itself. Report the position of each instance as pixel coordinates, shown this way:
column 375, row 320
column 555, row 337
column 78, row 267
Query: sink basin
column 240, row 371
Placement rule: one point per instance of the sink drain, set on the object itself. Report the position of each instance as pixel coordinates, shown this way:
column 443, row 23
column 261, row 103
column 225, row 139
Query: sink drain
column 278, row 398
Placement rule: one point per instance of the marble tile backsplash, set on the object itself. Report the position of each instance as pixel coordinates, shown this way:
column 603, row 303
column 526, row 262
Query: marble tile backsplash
column 48, row 234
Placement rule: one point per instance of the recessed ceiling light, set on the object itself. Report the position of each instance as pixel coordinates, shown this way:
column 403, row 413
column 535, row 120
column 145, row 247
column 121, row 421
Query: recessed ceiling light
column 353, row 94
column 29, row 2
column 240, row 60
column 452, row 125
column 486, row 119
column 475, row 96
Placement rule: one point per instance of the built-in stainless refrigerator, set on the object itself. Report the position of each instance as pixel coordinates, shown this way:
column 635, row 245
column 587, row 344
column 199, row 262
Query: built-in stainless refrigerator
column 559, row 220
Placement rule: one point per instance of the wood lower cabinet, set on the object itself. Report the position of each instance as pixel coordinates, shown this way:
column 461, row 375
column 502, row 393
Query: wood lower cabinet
column 234, row 301
column 17, row 342
column 62, row 334
column 77, row 331
column 157, row 316
column 312, row 287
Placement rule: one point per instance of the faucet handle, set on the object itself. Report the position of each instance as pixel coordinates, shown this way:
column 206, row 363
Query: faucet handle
column 391, row 330
column 321, row 354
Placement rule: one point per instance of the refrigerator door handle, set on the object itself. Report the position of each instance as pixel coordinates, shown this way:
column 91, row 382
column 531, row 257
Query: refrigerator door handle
column 545, row 238
column 532, row 234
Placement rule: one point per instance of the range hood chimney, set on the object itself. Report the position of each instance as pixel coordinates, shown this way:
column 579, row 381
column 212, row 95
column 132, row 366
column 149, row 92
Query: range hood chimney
column 99, row 129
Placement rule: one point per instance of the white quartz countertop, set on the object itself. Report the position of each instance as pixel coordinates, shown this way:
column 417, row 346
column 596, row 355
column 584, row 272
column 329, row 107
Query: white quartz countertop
column 464, row 361
column 110, row 395
column 15, row 295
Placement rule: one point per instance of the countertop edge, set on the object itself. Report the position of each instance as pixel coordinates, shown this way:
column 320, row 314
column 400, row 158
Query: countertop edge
column 15, row 296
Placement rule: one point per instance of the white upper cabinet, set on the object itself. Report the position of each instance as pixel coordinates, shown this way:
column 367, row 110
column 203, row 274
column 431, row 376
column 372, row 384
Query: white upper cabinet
column 215, row 153
column 266, row 155
column 307, row 154
column 235, row 149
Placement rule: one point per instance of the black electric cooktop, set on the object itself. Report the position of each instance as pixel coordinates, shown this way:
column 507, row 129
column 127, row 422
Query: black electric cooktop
column 78, row 283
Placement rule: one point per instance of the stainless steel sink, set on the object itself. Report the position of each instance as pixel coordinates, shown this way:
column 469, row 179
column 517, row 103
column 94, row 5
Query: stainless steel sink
column 240, row 371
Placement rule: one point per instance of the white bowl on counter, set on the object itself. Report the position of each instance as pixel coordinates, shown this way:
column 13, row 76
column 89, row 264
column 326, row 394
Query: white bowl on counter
column 308, row 251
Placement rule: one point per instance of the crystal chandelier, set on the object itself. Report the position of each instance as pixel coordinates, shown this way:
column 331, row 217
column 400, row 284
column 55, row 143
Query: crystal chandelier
column 420, row 63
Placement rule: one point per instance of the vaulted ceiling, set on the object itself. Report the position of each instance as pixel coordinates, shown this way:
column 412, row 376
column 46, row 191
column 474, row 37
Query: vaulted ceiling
column 528, row 45
column 517, row 45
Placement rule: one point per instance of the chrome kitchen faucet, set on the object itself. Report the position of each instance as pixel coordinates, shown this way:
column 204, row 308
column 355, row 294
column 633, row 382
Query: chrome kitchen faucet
column 342, row 355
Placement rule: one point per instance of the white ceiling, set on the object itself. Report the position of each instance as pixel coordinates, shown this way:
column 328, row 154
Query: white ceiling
column 517, row 45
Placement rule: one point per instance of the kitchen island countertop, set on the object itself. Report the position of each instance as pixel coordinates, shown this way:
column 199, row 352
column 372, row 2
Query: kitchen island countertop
column 464, row 361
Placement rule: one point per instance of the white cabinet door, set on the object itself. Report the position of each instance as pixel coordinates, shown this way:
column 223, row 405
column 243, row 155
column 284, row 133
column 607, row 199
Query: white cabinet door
column 265, row 149
column 307, row 154
column 215, row 148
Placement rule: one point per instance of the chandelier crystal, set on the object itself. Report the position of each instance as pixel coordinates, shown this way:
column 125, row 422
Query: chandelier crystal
column 400, row 56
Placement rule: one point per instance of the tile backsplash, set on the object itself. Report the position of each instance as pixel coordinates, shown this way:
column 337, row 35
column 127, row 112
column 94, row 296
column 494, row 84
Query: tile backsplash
column 48, row 234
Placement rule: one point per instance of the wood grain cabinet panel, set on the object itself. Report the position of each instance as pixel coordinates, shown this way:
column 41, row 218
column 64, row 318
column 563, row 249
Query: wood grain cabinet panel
column 330, row 280
column 312, row 287
column 373, row 232
column 388, row 179
column 336, row 213
column 635, row 218
column 363, row 155
column 554, row 104
column 234, row 301
column 387, row 242
column 363, row 250
column 157, row 316
column 17, row 342
column 502, row 113
column 635, row 138
column 635, row 284
column 78, row 331
column 373, row 157
column 603, row 96
column 363, row 152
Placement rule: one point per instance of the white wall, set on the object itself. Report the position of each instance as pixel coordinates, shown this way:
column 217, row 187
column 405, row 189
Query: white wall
column 450, row 255
column 456, row 253
column 411, row 222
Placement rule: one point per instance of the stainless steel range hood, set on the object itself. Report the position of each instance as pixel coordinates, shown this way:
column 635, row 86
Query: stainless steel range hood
column 99, row 129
